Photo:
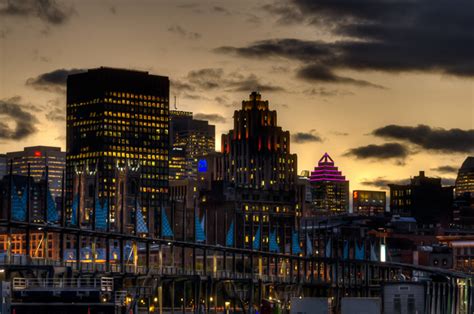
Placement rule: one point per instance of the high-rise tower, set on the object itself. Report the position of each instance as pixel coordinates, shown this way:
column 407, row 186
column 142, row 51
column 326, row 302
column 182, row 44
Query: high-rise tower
column 465, row 178
column 329, row 188
column 117, row 147
column 259, row 176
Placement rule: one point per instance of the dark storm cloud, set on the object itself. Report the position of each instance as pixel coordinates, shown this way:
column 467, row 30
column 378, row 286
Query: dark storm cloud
column 54, row 81
column 452, row 140
column 211, row 117
column 50, row 11
column 384, row 151
column 446, row 169
column 216, row 79
column 391, row 36
column 23, row 122
column 382, row 182
column 180, row 31
column 306, row 137
column 320, row 73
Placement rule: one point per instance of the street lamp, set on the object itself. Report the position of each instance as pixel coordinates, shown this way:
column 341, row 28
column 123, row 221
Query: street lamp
column 227, row 307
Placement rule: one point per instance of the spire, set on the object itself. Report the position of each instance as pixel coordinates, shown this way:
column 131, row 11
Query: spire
column 326, row 160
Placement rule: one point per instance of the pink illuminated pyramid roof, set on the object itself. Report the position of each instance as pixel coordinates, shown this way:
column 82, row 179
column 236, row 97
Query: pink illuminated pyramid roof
column 326, row 171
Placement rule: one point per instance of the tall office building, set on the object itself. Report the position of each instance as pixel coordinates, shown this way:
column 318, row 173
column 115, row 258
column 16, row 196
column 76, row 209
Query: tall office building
column 424, row 198
column 368, row 203
column 463, row 207
column 259, row 175
column 117, row 147
column 189, row 139
column 329, row 188
column 39, row 157
column 465, row 179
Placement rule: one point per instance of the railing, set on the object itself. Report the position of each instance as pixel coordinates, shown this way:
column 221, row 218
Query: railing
column 102, row 284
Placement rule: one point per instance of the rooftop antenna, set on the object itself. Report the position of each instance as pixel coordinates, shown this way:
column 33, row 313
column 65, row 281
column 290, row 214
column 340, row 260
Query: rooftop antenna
column 175, row 107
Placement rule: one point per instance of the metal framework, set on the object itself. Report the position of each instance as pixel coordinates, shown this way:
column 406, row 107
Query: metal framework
column 160, row 274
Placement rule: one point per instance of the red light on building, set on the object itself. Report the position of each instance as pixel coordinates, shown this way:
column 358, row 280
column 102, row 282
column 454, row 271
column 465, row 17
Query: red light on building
column 37, row 153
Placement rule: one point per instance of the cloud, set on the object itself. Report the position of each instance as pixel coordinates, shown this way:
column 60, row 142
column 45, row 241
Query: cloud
column 326, row 92
column 448, row 181
column 180, row 31
column 382, row 182
column 209, row 79
column 339, row 133
column 56, row 110
column 430, row 36
column 380, row 152
column 436, row 139
column 179, row 86
column 54, row 81
column 222, row 10
column 446, row 169
column 305, row 137
column 211, row 117
column 320, row 73
column 49, row 11
column 24, row 122
column 224, row 101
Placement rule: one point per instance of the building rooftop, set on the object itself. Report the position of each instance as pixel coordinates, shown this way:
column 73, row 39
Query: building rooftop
column 468, row 164
column 326, row 171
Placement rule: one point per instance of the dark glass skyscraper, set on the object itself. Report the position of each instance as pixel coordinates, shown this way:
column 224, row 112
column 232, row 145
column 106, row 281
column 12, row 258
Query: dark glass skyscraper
column 117, row 146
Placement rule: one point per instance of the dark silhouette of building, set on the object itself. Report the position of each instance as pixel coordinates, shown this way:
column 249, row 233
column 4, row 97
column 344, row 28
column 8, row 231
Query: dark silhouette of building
column 189, row 139
column 424, row 198
column 39, row 158
column 117, row 146
column 368, row 203
column 329, row 188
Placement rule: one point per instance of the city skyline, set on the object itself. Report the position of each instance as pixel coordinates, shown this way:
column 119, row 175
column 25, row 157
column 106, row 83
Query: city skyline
column 213, row 69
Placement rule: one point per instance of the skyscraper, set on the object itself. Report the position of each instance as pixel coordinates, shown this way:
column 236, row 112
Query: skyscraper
column 189, row 139
column 465, row 178
column 463, row 207
column 39, row 157
column 259, row 179
column 329, row 188
column 117, row 146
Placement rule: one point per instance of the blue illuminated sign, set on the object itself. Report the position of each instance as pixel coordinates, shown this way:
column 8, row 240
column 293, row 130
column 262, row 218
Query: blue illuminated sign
column 202, row 165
